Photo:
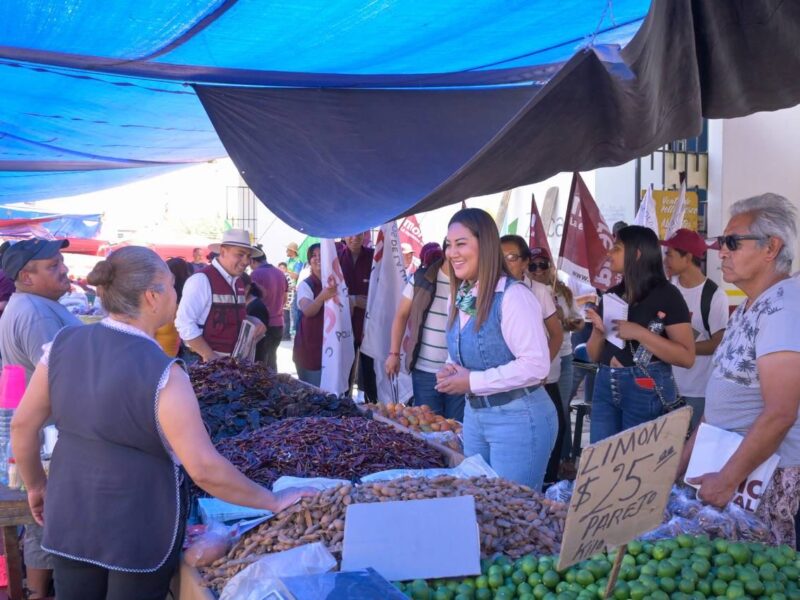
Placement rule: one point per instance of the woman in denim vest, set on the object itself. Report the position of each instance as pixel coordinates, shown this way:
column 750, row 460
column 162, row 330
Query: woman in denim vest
column 497, row 363
column 634, row 383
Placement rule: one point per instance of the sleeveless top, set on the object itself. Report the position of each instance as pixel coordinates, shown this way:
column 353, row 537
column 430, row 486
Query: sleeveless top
column 113, row 493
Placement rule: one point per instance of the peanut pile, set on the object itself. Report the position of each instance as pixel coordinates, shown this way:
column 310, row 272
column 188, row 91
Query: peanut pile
column 513, row 519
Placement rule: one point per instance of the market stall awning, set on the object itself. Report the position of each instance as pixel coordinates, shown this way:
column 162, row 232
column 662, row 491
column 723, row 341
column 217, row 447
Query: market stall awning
column 346, row 114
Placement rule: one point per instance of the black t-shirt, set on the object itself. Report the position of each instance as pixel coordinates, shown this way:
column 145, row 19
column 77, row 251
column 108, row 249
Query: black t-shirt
column 665, row 298
column 258, row 309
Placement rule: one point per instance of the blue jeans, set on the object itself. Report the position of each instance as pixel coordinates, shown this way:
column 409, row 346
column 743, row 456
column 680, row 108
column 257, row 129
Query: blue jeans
column 565, row 390
column 448, row 405
column 578, row 338
column 620, row 403
column 309, row 376
column 515, row 438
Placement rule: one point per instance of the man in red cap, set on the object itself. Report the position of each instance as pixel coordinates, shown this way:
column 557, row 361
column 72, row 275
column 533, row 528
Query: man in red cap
column 708, row 306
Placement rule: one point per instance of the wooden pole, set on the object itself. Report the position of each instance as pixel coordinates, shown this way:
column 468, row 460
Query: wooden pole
column 612, row 577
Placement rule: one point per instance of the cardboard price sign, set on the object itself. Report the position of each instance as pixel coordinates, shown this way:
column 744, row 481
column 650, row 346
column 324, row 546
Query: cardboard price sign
column 622, row 487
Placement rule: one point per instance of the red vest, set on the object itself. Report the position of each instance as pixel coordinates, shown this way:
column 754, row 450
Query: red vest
column 228, row 310
column 307, row 350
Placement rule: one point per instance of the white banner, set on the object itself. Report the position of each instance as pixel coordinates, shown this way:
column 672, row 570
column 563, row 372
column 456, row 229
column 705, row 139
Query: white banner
column 678, row 212
column 338, row 351
column 647, row 215
column 386, row 282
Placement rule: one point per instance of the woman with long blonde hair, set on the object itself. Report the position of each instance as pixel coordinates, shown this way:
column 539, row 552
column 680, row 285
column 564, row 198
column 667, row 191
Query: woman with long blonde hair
column 508, row 417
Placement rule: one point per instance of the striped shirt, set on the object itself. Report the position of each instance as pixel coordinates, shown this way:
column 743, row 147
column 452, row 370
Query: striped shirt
column 433, row 342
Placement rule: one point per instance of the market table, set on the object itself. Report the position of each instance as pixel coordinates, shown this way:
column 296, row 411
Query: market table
column 14, row 511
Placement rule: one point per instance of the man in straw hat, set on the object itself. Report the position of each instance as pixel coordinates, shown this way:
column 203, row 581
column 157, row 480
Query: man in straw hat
column 213, row 304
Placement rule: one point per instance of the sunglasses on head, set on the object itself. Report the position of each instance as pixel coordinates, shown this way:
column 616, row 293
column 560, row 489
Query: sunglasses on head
column 542, row 265
column 731, row 242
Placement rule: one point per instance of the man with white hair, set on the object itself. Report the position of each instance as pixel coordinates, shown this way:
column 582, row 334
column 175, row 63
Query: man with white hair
column 754, row 388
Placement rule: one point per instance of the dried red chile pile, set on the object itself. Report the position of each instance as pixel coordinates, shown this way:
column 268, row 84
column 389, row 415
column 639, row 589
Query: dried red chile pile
column 239, row 396
column 342, row 448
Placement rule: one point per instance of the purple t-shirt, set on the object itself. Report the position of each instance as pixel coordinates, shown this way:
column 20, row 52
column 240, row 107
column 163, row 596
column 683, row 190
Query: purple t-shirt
column 273, row 285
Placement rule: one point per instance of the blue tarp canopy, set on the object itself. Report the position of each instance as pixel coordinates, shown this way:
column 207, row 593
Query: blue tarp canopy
column 345, row 114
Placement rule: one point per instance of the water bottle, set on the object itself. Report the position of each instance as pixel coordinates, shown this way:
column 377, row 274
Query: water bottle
column 5, row 438
column 643, row 356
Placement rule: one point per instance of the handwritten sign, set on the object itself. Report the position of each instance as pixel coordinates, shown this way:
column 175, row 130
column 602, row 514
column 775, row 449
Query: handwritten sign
column 622, row 487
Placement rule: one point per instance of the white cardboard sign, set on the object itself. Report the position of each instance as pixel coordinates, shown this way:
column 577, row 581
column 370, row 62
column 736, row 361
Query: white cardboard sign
column 413, row 539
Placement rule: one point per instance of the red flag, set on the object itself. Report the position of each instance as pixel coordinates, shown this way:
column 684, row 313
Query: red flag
column 410, row 233
column 586, row 240
column 537, row 238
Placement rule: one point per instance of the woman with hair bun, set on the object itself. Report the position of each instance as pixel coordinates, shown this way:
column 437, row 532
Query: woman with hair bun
column 114, row 504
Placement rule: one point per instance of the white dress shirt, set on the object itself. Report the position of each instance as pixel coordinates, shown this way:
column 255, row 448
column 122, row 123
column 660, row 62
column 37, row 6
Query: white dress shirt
column 196, row 302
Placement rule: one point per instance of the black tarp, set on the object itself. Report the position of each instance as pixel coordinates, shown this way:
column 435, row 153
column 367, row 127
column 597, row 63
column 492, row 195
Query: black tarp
column 334, row 161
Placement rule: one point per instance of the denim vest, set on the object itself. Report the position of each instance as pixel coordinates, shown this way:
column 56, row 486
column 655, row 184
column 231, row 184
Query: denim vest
column 485, row 348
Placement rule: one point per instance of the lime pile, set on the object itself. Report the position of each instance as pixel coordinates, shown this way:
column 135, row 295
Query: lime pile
column 673, row 569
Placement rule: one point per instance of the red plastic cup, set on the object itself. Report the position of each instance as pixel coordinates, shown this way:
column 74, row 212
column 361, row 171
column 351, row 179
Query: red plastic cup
column 12, row 386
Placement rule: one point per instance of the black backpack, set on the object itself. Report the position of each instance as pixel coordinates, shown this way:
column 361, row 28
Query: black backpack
column 709, row 289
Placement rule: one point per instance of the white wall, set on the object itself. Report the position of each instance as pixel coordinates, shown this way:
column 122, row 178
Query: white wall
column 749, row 156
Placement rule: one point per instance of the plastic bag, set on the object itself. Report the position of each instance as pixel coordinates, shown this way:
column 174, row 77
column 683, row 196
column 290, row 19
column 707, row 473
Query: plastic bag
column 682, row 503
column 449, row 439
column 748, row 526
column 561, row 491
column 318, row 483
column 474, row 466
column 671, row 529
column 210, row 545
column 716, row 523
column 263, row 576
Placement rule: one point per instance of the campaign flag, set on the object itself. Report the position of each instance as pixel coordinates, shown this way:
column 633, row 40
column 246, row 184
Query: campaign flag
column 338, row 350
column 586, row 240
column 647, row 215
column 678, row 212
column 386, row 283
column 410, row 233
column 537, row 238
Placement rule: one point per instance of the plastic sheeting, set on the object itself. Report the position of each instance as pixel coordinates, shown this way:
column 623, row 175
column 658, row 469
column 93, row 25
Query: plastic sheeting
column 93, row 94
column 361, row 111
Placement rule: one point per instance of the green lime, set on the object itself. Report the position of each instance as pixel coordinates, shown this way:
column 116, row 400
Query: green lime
column 704, row 587
column 701, row 566
column 681, row 553
column 648, row 570
column 524, row 588
column 635, row 548
column 659, row 595
column 637, row 590
column 443, row 594
column 792, row 573
column 550, row 579
column 495, row 580
column 534, row 579
column 704, row 551
column 525, row 597
column 719, row 587
column 735, row 591
column 584, row 577
column 465, row 590
column 723, row 560
column 740, row 553
column 687, row 585
column 621, row 590
column 768, row 572
column 721, row 545
column 660, row 551
column 518, row 577
column 666, row 569
column 650, row 583
column 726, row 573
column 569, row 576
column 482, row 582
column 528, row 565
column 483, row 594
column 754, row 587
column 495, row 570
column 667, row 584
column 540, row 591
column 596, row 569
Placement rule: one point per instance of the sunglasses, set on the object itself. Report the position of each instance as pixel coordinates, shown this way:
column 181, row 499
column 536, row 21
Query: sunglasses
column 539, row 266
column 731, row 242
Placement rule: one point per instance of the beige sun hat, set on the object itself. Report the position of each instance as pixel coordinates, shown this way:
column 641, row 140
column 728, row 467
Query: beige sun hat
column 236, row 237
